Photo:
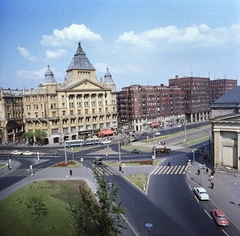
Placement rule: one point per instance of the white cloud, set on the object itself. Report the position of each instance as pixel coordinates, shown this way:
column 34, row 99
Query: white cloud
column 31, row 74
column 55, row 54
column 73, row 33
column 27, row 54
column 171, row 37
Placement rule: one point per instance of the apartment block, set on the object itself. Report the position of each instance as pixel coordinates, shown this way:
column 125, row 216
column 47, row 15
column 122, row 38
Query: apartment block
column 219, row 87
column 196, row 97
column 142, row 107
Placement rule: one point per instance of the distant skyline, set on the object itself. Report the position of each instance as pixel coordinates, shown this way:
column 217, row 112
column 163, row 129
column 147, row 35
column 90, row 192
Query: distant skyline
column 141, row 42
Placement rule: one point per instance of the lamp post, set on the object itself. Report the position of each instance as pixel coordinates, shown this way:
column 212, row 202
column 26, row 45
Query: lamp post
column 119, row 149
column 65, row 151
column 209, row 142
column 149, row 226
column 154, row 146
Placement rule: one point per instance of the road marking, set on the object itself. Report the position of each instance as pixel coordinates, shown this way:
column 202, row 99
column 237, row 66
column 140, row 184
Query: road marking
column 173, row 170
column 225, row 232
column 177, row 169
column 208, row 214
column 196, row 198
column 161, row 170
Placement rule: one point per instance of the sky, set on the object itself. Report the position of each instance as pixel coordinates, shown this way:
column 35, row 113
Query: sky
column 144, row 42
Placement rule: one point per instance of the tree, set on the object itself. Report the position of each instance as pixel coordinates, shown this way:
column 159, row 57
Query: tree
column 102, row 217
column 40, row 135
column 28, row 136
column 37, row 206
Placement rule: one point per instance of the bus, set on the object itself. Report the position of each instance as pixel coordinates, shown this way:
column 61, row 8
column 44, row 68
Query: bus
column 72, row 143
column 92, row 141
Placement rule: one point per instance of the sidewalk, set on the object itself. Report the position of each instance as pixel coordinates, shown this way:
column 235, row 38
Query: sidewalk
column 225, row 194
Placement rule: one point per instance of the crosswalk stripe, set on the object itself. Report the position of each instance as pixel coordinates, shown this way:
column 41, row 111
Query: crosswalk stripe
column 170, row 170
column 173, row 170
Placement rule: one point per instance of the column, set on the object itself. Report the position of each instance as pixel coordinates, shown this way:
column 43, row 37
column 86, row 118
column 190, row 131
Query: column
column 217, row 148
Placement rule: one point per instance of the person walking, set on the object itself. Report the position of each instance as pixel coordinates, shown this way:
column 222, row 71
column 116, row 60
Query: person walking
column 70, row 172
column 212, row 185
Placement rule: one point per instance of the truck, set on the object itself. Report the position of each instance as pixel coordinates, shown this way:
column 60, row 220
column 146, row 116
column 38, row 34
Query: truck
column 161, row 149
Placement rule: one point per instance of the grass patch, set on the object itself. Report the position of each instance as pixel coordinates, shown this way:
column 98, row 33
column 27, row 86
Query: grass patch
column 139, row 180
column 16, row 219
column 2, row 165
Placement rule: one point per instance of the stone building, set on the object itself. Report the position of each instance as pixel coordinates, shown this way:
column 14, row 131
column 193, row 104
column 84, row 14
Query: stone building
column 11, row 115
column 81, row 107
column 225, row 120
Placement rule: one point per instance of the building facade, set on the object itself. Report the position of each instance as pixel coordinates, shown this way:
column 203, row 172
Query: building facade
column 11, row 115
column 142, row 107
column 225, row 121
column 196, row 98
column 219, row 87
column 81, row 107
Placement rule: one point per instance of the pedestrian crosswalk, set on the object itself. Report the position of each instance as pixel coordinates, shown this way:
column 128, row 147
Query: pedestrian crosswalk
column 104, row 170
column 170, row 170
column 22, row 172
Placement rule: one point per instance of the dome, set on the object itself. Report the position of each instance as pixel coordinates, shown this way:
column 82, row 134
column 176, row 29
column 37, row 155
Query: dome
column 49, row 76
column 108, row 78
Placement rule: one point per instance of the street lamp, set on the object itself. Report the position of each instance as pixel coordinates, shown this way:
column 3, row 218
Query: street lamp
column 65, row 151
column 154, row 146
column 209, row 142
column 149, row 226
column 119, row 149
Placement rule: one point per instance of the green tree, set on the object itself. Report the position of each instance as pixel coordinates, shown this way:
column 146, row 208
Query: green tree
column 101, row 217
column 28, row 136
column 40, row 135
column 37, row 206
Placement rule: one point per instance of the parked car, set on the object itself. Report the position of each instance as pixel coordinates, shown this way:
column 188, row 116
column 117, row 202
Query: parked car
column 135, row 150
column 201, row 193
column 27, row 153
column 220, row 217
column 97, row 161
column 179, row 126
column 144, row 133
column 106, row 142
column 16, row 153
column 157, row 133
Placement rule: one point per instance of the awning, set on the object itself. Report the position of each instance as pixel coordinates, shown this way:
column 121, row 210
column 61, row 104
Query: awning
column 106, row 132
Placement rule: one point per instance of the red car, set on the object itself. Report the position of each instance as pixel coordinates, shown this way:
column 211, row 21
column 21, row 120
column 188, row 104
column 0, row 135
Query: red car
column 220, row 217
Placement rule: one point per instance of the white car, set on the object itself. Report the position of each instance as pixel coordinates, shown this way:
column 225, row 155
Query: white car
column 16, row 153
column 27, row 153
column 157, row 133
column 201, row 193
column 106, row 142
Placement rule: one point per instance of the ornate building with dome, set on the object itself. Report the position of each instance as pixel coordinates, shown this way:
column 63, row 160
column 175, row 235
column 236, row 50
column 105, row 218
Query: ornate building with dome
column 79, row 108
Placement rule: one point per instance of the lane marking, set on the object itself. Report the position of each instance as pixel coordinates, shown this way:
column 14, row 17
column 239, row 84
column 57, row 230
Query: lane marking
column 208, row 214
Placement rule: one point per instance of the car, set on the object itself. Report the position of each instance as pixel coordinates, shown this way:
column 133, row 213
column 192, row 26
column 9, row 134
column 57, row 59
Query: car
column 144, row 133
column 27, row 153
column 220, row 217
column 179, row 126
column 157, row 133
column 16, row 153
column 201, row 193
column 137, row 151
column 106, row 142
column 97, row 161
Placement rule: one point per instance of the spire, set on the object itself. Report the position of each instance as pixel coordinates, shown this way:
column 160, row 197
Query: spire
column 49, row 76
column 80, row 61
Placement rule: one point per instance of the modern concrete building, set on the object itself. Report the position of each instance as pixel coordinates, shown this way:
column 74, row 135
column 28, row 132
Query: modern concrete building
column 11, row 115
column 81, row 107
column 225, row 120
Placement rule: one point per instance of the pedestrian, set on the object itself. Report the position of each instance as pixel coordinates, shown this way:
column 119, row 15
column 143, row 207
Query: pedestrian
column 70, row 172
column 207, row 170
column 198, row 172
column 211, row 177
column 212, row 185
column 169, row 164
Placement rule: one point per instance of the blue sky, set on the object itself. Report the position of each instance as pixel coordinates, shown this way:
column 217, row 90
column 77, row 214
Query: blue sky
column 143, row 42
